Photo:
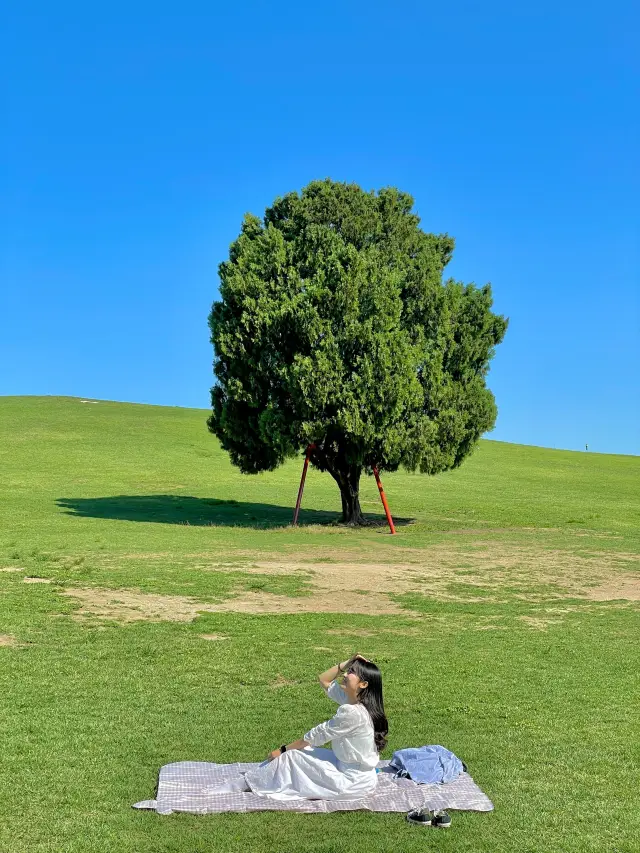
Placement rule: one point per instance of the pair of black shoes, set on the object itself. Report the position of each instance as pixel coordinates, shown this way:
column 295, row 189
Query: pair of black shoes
column 424, row 817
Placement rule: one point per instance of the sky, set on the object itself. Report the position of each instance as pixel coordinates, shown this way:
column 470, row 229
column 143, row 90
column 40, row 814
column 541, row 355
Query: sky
column 134, row 137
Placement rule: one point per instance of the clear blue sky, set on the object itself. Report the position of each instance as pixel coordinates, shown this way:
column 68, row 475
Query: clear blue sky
column 134, row 138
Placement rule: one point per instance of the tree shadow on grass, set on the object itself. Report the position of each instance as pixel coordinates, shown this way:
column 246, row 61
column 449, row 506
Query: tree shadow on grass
column 202, row 512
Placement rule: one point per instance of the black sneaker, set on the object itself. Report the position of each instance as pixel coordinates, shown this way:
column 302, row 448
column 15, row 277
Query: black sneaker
column 421, row 817
column 441, row 820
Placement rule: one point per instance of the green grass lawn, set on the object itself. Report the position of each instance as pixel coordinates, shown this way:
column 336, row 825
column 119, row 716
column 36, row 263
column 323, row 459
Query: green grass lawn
column 498, row 649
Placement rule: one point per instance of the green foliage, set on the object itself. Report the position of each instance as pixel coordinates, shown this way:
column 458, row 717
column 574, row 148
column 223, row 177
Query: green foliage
column 334, row 328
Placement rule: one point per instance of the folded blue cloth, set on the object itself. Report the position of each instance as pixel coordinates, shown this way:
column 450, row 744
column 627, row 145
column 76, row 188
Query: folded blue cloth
column 429, row 765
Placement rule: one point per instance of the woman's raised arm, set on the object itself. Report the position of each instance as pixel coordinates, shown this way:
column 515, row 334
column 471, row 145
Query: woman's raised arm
column 325, row 678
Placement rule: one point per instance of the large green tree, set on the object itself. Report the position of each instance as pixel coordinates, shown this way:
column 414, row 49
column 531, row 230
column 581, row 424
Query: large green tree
column 334, row 328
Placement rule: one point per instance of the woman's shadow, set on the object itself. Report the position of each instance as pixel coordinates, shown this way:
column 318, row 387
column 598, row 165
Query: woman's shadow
column 201, row 512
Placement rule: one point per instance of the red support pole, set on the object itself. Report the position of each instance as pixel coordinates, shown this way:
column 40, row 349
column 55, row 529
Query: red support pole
column 384, row 500
column 310, row 449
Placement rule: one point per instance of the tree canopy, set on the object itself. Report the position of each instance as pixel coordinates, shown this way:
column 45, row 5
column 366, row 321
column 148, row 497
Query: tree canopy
column 334, row 328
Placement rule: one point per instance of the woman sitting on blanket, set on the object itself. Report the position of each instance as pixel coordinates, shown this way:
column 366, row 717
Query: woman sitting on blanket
column 358, row 732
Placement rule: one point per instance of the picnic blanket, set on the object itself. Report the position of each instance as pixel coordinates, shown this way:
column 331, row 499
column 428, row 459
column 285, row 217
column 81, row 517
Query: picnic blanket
column 189, row 786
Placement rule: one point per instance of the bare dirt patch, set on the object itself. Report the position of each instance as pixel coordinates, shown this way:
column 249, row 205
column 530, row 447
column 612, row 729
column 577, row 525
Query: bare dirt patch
column 537, row 623
column 11, row 569
column 364, row 632
column 144, row 556
column 132, row 606
column 337, row 583
column 501, row 571
column 255, row 569
column 37, row 580
column 213, row 636
column 621, row 588
column 281, row 681
column 318, row 602
column 592, row 534
column 124, row 605
column 8, row 640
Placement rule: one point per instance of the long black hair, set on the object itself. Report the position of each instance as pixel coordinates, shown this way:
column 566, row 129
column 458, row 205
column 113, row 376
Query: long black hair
column 371, row 697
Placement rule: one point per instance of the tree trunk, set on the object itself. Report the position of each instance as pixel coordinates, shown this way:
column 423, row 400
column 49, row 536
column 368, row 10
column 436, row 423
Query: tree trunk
column 329, row 455
column 349, row 484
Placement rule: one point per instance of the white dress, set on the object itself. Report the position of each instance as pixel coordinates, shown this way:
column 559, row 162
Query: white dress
column 347, row 771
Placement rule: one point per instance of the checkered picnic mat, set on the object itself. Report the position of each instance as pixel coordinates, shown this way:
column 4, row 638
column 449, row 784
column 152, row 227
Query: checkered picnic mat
column 188, row 786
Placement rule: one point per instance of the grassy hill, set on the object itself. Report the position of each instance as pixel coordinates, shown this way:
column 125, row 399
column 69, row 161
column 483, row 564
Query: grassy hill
column 503, row 614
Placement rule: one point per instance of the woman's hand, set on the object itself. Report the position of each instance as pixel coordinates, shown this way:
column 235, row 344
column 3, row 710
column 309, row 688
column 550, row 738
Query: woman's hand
column 338, row 669
column 347, row 663
column 275, row 753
